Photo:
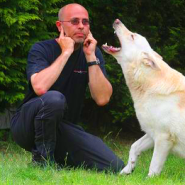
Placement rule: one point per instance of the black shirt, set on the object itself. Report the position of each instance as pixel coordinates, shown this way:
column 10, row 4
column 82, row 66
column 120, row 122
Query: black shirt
column 73, row 79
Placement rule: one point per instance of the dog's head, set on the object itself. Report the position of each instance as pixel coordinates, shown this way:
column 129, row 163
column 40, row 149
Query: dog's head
column 144, row 69
column 134, row 47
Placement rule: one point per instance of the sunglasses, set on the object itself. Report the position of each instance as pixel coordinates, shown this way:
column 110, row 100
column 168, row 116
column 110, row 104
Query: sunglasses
column 76, row 21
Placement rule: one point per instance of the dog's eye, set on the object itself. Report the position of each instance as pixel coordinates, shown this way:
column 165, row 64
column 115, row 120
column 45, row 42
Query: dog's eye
column 132, row 36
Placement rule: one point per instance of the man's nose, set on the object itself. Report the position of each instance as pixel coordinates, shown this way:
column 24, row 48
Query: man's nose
column 80, row 25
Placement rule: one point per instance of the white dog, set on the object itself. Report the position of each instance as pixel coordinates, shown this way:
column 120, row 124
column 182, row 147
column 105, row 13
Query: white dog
column 158, row 93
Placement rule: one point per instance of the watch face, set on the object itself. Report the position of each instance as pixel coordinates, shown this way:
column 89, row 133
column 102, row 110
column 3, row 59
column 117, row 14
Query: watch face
column 97, row 61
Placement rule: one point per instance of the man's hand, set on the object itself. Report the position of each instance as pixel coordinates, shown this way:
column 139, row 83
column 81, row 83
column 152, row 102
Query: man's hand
column 66, row 43
column 89, row 47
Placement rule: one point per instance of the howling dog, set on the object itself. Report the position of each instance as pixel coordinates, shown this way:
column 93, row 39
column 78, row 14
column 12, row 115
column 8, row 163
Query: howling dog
column 158, row 93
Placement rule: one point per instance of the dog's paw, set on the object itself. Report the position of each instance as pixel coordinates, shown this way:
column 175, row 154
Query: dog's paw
column 150, row 175
column 127, row 170
column 153, row 174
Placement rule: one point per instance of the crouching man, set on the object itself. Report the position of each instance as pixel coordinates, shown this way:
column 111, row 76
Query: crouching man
column 58, row 71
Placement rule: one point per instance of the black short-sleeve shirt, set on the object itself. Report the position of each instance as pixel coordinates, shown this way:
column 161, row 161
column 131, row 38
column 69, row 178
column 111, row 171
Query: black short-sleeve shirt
column 73, row 79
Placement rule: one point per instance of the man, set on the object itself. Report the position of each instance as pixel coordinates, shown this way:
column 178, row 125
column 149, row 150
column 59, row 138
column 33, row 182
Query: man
column 58, row 72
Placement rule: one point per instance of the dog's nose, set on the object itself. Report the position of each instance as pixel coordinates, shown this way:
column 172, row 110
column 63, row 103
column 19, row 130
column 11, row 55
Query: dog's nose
column 117, row 21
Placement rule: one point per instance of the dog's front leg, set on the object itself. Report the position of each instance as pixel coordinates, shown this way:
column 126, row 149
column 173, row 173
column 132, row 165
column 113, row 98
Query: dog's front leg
column 139, row 146
column 161, row 150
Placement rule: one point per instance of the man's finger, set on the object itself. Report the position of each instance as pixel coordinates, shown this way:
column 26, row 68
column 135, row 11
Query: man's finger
column 86, row 43
column 61, row 32
column 90, row 34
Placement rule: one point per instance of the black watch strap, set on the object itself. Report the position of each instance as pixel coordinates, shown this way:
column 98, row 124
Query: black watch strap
column 96, row 62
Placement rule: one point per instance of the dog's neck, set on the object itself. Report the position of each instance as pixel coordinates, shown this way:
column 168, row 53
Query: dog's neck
column 165, row 82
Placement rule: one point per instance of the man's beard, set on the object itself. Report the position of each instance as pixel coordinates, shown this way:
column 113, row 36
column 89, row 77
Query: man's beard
column 80, row 41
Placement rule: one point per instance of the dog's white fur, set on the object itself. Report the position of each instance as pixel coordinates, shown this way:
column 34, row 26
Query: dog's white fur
column 158, row 93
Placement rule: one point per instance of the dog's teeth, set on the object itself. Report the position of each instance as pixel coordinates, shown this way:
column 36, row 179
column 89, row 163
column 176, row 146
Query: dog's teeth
column 117, row 49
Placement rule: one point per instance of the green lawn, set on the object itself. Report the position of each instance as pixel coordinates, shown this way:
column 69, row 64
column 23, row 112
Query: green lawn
column 15, row 169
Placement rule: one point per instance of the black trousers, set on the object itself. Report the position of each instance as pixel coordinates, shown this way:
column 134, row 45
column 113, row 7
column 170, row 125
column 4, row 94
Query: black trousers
column 39, row 125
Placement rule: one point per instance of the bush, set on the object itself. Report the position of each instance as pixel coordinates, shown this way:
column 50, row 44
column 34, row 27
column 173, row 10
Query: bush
column 23, row 22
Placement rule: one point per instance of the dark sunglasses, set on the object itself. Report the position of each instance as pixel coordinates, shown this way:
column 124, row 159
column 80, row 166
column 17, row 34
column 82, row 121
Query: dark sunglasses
column 76, row 21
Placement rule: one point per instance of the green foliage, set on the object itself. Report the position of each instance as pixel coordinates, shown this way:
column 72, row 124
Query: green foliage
column 23, row 22
column 5, row 135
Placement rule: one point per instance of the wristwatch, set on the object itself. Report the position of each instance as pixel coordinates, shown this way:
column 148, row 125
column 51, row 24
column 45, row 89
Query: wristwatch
column 96, row 62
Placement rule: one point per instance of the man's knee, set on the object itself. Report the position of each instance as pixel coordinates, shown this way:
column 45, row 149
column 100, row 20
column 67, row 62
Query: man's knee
column 54, row 99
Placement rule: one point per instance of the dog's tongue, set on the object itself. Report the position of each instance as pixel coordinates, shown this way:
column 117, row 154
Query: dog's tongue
column 113, row 49
column 110, row 48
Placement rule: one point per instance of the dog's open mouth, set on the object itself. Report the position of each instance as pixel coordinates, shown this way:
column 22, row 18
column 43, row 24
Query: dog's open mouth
column 110, row 49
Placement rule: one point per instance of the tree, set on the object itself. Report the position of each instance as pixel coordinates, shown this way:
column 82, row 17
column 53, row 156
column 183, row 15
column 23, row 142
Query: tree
column 22, row 23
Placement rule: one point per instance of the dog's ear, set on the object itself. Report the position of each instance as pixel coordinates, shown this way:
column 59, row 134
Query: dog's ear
column 150, row 60
column 157, row 55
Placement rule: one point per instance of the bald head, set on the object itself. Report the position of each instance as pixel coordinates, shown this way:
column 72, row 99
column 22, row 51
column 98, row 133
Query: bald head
column 67, row 14
column 68, row 9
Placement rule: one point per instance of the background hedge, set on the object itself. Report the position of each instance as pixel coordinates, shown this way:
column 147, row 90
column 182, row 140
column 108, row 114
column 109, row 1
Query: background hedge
column 23, row 22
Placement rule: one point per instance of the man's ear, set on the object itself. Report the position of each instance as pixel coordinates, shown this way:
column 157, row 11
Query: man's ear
column 58, row 25
column 150, row 61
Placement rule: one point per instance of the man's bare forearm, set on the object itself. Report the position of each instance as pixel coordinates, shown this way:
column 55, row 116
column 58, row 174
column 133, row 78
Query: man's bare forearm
column 100, row 87
column 42, row 81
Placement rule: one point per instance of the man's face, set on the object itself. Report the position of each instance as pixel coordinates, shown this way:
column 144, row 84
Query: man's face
column 77, row 32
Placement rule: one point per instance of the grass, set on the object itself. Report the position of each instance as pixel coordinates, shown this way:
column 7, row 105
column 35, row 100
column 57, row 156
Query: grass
column 15, row 169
